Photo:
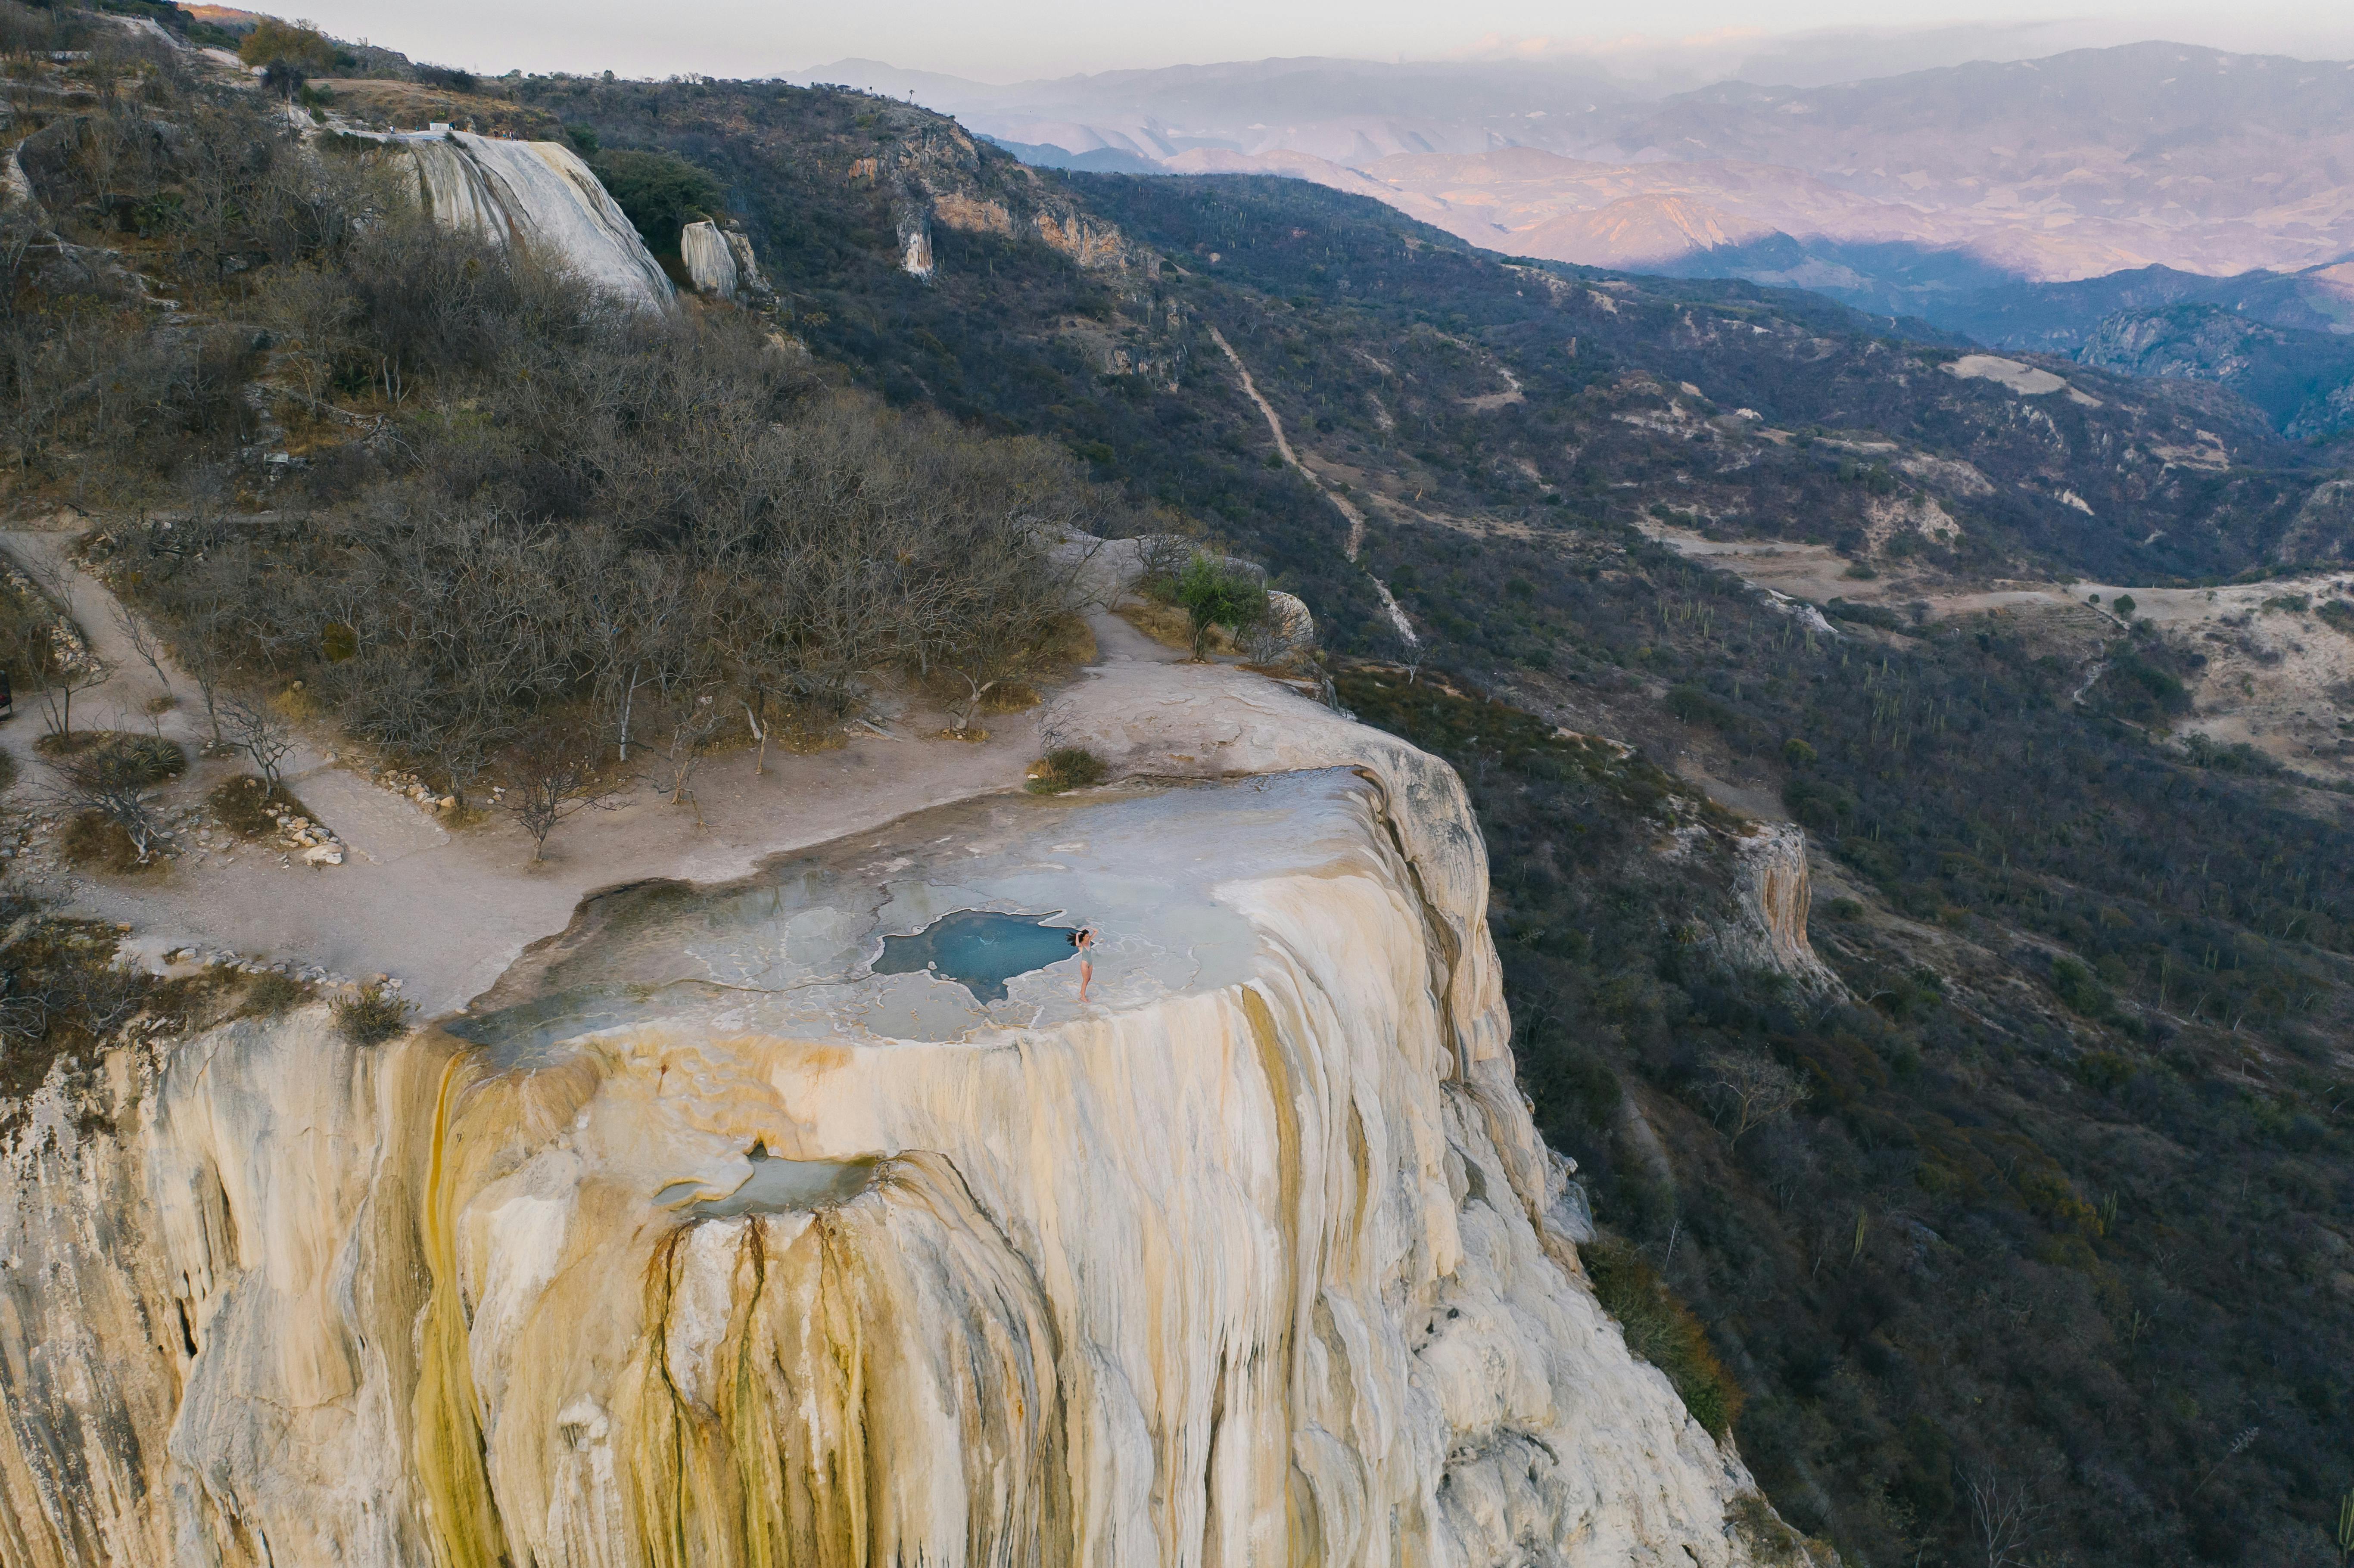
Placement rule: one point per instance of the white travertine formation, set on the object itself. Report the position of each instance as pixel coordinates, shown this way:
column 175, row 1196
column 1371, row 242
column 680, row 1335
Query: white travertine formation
column 541, row 194
column 699, row 1242
column 710, row 260
column 1776, row 890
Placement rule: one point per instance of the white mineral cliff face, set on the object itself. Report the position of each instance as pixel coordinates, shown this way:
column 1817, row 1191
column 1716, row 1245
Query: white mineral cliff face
column 719, row 261
column 1776, row 891
column 699, row 1242
column 710, row 265
column 536, row 193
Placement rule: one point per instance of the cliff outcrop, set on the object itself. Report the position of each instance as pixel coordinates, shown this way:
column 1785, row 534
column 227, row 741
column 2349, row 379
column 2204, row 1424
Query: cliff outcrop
column 1775, row 892
column 703, row 1239
column 940, row 175
column 720, row 261
column 540, row 194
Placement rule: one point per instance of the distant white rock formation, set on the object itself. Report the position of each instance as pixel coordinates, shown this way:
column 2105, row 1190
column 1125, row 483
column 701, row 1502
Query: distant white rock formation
column 719, row 261
column 540, row 193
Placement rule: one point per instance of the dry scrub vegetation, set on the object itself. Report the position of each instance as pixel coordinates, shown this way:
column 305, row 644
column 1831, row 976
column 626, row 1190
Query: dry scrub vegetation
column 467, row 502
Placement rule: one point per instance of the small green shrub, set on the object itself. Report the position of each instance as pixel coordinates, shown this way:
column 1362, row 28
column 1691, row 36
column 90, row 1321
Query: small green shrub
column 1877, row 615
column 1694, row 704
column 1067, row 768
column 373, row 1017
column 2079, row 988
column 1663, row 1332
column 7, row 769
column 1216, row 595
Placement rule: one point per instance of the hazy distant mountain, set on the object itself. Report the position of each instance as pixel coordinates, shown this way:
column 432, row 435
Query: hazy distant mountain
column 1898, row 193
column 2058, row 318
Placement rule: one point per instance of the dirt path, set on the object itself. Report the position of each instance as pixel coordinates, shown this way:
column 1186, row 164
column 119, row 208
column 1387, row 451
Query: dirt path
column 448, row 911
column 1340, row 502
column 1274, row 427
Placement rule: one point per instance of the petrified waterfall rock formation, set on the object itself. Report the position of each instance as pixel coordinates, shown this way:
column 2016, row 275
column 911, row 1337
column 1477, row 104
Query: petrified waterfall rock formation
column 1776, row 890
column 700, row 1242
column 719, row 261
column 538, row 193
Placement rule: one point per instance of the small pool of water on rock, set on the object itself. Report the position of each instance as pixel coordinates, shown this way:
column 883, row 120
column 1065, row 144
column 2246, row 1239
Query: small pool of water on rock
column 977, row 948
column 776, row 1185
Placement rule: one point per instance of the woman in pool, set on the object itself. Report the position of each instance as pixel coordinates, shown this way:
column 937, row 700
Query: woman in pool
column 1084, row 938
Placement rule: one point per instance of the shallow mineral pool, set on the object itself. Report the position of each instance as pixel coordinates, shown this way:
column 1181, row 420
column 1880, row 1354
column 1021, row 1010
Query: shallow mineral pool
column 980, row 949
column 932, row 929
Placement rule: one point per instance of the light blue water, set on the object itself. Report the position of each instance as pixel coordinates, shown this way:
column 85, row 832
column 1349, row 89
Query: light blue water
column 977, row 948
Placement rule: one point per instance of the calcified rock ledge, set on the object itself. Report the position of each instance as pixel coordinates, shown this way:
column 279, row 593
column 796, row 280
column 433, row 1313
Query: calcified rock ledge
column 536, row 193
column 697, row 1243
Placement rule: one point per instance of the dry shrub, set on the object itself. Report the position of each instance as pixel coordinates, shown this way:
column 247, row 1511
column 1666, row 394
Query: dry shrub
column 96, row 842
column 1663, row 1332
column 373, row 1017
column 1067, row 768
column 243, row 805
column 271, row 995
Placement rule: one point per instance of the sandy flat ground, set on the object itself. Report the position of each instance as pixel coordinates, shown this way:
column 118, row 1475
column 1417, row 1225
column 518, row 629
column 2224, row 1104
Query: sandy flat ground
column 447, row 912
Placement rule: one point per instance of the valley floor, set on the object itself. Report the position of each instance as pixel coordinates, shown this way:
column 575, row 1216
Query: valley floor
column 2271, row 673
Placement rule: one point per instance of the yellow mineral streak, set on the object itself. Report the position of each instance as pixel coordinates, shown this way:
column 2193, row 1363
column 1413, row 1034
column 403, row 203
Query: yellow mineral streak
column 1262, row 1270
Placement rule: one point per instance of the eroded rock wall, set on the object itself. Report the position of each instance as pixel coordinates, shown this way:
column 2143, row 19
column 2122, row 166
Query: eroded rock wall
column 541, row 194
column 1263, row 1265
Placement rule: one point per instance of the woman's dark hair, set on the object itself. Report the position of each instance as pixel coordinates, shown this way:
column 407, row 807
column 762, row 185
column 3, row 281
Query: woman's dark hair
column 1074, row 936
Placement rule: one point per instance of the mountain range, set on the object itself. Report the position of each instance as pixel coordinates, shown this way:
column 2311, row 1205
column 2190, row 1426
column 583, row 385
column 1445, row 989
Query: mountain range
column 1918, row 185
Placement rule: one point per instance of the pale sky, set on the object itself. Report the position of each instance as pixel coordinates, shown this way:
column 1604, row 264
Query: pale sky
column 1025, row 38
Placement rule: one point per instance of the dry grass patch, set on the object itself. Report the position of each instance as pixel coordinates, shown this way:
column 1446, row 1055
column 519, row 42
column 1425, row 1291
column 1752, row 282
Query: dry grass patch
column 156, row 760
column 1168, row 625
column 96, row 842
column 243, row 806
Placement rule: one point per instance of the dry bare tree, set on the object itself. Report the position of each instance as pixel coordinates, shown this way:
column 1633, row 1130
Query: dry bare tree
column 66, row 665
column 552, row 776
column 2004, row 1514
column 256, row 728
column 142, row 638
column 1750, row 1088
column 111, row 777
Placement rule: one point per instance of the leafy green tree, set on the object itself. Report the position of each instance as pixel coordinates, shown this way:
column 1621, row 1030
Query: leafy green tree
column 275, row 43
column 659, row 192
column 1215, row 594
